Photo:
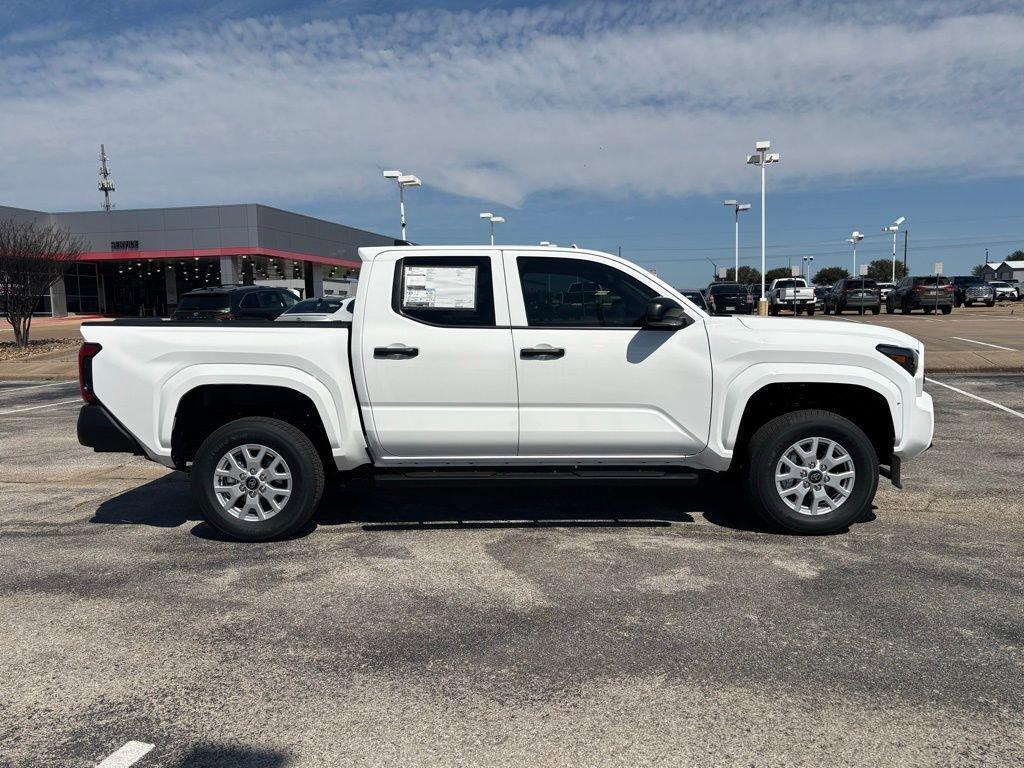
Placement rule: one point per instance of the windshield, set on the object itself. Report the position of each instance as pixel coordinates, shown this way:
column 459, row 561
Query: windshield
column 727, row 289
column 999, row 283
column 204, row 302
column 315, row 306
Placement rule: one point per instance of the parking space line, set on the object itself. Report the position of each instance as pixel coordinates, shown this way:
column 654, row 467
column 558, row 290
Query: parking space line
column 37, row 407
column 1018, row 414
column 127, row 755
column 983, row 343
column 37, row 386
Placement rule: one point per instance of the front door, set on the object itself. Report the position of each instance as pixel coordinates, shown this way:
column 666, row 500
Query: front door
column 592, row 382
column 436, row 357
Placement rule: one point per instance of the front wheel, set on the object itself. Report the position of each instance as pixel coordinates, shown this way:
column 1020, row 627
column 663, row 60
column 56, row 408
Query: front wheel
column 990, row 303
column 257, row 479
column 812, row 471
column 826, row 309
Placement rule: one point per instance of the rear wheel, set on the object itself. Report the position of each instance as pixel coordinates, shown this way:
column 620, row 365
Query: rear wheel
column 826, row 309
column 257, row 479
column 947, row 309
column 905, row 307
column 812, row 471
column 889, row 308
column 810, row 311
column 876, row 310
column 990, row 303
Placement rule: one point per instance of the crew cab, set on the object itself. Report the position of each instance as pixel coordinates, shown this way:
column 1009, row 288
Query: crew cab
column 512, row 363
column 791, row 293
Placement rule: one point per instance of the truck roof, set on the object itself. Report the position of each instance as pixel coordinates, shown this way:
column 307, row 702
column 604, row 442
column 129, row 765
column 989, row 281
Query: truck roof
column 369, row 254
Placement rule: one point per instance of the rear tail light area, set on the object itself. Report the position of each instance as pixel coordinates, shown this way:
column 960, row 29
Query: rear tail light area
column 86, row 353
column 750, row 298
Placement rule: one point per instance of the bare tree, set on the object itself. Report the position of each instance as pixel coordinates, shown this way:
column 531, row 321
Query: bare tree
column 32, row 257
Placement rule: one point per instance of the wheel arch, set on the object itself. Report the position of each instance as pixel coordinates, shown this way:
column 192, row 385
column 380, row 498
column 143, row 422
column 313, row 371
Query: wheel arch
column 863, row 396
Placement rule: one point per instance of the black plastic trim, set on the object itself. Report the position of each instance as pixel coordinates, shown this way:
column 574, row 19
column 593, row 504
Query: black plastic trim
column 99, row 430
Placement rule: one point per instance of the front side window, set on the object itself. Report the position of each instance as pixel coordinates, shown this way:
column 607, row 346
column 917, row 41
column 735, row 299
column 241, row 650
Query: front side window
column 445, row 290
column 250, row 301
column 271, row 300
column 578, row 293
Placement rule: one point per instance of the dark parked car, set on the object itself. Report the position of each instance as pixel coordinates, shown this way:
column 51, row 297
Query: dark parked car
column 694, row 295
column 243, row 302
column 860, row 293
column 821, row 293
column 968, row 289
column 729, row 299
column 929, row 293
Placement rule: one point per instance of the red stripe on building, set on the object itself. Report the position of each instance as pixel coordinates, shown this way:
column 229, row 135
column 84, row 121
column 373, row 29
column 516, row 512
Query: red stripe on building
column 201, row 253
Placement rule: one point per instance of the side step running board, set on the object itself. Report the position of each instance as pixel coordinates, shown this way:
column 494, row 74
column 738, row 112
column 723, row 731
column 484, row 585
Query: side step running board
column 532, row 476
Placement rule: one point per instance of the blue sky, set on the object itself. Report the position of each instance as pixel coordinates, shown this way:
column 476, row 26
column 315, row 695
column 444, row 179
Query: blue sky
column 605, row 123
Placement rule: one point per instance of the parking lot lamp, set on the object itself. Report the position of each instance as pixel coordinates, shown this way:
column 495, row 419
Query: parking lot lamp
column 807, row 267
column 738, row 208
column 894, row 228
column 494, row 220
column 854, row 238
column 763, row 158
column 404, row 180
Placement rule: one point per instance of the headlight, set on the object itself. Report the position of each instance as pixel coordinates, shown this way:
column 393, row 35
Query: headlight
column 904, row 357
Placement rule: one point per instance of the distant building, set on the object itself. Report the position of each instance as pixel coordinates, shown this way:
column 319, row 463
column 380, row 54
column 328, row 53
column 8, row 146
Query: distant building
column 1004, row 270
column 138, row 262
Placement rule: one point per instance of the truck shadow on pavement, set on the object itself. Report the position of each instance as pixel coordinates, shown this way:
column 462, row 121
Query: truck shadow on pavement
column 167, row 503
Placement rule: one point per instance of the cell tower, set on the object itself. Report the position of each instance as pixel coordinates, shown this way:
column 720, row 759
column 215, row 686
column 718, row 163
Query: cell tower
column 106, row 184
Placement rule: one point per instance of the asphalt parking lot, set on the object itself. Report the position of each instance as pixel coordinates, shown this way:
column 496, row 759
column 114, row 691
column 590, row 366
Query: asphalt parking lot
column 512, row 627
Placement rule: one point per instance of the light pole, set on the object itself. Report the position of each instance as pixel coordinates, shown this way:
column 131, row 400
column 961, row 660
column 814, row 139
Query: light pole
column 894, row 228
column 494, row 220
column 404, row 180
column 763, row 158
column 737, row 208
column 807, row 267
column 854, row 238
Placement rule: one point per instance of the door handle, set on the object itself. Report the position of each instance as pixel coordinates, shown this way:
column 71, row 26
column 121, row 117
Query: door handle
column 395, row 352
column 542, row 353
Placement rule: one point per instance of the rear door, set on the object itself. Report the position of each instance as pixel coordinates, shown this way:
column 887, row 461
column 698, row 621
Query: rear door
column 435, row 356
column 592, row 382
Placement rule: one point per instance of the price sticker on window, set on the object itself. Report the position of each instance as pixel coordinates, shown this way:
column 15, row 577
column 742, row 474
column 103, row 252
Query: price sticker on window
column 439, row 288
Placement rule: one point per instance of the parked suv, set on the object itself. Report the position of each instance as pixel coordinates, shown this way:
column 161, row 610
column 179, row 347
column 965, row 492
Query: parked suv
column 729, row 299
column 968, row 289
column 854, row 293
column 227, row 302
column 1004, row 291
column 929, row 293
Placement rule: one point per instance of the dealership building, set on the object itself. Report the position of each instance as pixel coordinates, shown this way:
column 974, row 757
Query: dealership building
column 138, row 262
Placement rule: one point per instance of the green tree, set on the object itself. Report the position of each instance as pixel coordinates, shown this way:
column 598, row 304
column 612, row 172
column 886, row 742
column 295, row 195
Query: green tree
column 978, row 270
column 775, row 274
column 881, row 269
column 747, row 275
column 1017, row 255
column 827, row 275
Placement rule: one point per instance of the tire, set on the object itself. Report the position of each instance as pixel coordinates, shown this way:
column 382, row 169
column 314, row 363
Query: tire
column 927, row 310
column 810, row 311
column 876, row 310
column 947, row 309
column 775, row 440
column 889, row 308
column 301, row 463
column 826, row 309
column 773, row 311
column 905, row 308
column 990, row 303
column 968, row 303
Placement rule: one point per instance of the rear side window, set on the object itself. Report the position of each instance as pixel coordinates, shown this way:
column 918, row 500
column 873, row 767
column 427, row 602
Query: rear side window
column 445, row 290
column 727, row 289
column 573, row 292
column 249, row 301
column 271, row 300
column 204, row 302
column 931, row 280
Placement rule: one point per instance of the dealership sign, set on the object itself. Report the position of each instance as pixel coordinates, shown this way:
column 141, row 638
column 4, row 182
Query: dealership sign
column 124, row 245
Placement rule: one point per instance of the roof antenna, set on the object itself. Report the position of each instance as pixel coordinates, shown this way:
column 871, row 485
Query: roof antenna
column 106, row 184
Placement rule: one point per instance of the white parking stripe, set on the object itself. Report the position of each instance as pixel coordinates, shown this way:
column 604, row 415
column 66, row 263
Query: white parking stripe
column 127, row 755
column 983, row 343
column 37, row 386
column 1018, row 414
column 37, row 407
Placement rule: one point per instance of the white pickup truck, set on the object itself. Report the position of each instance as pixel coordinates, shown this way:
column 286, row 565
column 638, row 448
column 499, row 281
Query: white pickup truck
column 790, row 293
column 508, row 364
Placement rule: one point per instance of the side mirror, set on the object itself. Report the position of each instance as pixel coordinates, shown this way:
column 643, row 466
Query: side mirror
column 664, row 313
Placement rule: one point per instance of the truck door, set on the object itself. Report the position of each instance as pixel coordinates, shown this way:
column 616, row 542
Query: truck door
column 435, row 355
column 592, row 382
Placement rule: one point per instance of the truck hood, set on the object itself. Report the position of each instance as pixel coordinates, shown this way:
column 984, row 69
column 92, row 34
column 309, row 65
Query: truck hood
column 821, row 334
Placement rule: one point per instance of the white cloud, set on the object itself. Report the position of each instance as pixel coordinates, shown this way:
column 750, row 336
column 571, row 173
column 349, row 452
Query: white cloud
column 607, row 98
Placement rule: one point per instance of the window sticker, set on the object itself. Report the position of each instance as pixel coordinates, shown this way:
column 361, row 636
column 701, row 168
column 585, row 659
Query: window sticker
column 439, row 287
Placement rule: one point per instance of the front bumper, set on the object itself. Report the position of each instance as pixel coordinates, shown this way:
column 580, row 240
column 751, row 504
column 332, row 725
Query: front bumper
column 99, row 430
column 918, row 427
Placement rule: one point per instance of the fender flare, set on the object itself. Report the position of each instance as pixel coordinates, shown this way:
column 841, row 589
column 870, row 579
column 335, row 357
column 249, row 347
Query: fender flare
column 189, row 378
column 729, row 414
